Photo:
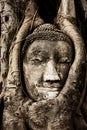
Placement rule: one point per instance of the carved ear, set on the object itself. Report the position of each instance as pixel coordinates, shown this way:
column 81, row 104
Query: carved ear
column 76, row 78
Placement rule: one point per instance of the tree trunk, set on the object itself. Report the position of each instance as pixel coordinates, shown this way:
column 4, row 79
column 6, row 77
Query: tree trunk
column 18, row 19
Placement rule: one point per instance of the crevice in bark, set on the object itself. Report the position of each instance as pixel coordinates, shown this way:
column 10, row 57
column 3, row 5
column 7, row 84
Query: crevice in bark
column 20, row 23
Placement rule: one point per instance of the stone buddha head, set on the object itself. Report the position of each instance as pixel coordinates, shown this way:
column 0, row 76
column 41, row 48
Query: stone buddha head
column 47, row 57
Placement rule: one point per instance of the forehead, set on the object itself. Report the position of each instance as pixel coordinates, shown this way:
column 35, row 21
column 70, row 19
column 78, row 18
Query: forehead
column 50, row 46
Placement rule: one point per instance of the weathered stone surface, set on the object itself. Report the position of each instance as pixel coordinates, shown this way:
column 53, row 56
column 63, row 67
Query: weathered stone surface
column 68, row 109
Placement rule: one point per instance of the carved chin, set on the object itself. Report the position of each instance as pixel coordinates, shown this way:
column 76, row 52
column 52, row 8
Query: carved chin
column 47, row 93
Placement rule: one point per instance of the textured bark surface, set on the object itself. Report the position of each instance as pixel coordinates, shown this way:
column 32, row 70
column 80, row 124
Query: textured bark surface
column 68, row 111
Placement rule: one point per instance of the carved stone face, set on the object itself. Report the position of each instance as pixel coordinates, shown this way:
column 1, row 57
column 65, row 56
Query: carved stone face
column 46, row 66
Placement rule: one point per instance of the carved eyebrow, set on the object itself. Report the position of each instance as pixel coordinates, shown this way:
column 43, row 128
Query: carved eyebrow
column 63, row 58
column 38, row 51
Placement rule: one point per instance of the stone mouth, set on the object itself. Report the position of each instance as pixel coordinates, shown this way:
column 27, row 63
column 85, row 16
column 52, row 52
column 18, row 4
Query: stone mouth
column 47, row 89
column 47, row 93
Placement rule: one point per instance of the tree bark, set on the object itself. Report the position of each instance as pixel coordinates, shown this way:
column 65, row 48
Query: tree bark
column 19, row 19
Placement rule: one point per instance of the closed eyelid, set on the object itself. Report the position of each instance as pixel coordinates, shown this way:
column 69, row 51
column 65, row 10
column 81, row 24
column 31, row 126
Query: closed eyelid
column 36, row 54
column 37, row 59
column 65, row 59
column 58, row 56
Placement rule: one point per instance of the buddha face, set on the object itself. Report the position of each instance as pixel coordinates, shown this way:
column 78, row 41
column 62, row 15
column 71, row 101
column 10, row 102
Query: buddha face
column 46, row 66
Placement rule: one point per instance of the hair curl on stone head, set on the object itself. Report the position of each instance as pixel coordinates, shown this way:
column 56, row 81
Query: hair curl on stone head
column 45, row 32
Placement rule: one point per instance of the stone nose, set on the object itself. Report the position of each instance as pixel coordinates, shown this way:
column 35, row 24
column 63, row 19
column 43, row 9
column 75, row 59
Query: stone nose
column 50, row 73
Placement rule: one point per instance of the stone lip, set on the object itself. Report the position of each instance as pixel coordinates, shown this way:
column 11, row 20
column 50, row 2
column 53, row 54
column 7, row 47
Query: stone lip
column 47, row 93
column 47, row 89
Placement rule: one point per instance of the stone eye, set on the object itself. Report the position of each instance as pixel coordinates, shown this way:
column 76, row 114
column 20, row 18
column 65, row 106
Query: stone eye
column 64, row 61
column 36, row 61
